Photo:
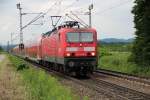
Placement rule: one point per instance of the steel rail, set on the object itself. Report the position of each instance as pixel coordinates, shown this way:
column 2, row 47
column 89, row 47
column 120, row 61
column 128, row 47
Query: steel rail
column 129, row 77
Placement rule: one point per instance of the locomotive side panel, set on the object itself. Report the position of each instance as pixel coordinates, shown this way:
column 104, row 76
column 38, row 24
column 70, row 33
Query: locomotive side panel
column 49, row 48
column 60, row 37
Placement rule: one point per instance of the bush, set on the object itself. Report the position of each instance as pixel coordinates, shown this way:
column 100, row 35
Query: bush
column 22, row 67
column 104, row 52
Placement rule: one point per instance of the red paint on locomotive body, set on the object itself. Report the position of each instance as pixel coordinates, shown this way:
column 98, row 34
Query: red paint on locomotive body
column 55, row 45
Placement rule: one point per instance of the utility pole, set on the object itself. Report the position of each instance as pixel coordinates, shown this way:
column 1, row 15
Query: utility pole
column 8, row 46
column 11, row 39
column 21, row 45
column 20, row 15
column 90, row 15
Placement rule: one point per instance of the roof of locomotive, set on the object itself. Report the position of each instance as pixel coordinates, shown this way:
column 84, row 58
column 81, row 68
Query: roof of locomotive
column 65, row 30
column 69, row 26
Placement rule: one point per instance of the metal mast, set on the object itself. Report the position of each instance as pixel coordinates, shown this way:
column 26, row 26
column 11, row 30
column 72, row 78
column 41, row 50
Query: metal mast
column 11, row 39
column 90, row 15
column 8, row 47
column 20, row 14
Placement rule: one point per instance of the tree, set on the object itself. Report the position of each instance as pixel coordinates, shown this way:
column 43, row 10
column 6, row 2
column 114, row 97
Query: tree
column 1, row 48
column 141, row 48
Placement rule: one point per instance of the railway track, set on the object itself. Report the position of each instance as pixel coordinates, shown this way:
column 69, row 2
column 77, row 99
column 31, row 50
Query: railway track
column 119, row 92
column 112, row 91
column 144, row 80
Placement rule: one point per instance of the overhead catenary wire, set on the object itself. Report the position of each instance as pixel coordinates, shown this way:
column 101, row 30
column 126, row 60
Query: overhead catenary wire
column 79, row 19
column 41, row 15
column 75, row 20
column 67, row 7
column 56, row 3
column 73, row 3
column 59, row 8
column 64, row 8
column 15, row 38
column 107, row 9
column 33, row 20
column 113, row 7
column 67, row 15
column 103, row 11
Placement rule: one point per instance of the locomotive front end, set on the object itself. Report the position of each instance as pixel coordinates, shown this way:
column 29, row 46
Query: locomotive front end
column 81, row 51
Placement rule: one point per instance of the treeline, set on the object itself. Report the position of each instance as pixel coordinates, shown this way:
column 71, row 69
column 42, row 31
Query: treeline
column 1, row 48
column 141, row 48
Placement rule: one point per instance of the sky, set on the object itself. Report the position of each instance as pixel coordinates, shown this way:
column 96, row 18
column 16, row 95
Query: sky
column 111, row 18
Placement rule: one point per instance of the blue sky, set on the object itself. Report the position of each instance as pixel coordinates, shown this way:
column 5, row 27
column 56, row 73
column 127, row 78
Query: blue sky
column 111, row 18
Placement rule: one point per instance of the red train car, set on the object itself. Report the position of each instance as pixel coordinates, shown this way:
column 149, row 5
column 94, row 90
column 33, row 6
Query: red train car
column 68, row 48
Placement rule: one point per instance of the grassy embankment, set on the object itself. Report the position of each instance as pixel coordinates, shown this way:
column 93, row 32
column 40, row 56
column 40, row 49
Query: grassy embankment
column 1, row 51
column 11, row 86
column 40, row 85
column 116, row 57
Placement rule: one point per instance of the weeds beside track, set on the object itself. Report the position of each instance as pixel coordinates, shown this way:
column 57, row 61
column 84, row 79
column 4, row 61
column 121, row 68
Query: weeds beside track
column 40, row 85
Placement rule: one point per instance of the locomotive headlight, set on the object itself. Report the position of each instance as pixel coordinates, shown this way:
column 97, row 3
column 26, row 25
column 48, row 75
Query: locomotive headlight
column 93, row 53
column 68, row 54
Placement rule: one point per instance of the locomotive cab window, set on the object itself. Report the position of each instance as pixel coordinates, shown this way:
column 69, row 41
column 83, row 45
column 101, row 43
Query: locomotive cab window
column 80, row 37
column 73, row 37
column 86, row 37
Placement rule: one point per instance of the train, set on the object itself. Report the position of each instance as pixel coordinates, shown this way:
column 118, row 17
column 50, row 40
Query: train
column 68, row 48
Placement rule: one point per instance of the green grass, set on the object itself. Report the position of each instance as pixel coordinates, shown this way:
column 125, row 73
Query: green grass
column 116, row 60
column 117, row 47
column 40, row 85
column 1, row 51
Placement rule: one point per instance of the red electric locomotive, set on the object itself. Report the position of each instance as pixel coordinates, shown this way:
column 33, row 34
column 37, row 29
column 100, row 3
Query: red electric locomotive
column 68, row 48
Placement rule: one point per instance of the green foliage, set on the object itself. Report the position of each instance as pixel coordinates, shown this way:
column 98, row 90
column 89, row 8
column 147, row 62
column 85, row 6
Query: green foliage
column 40, row 85
column 141, row 48
column 106, row 49
column 118, row 61
column 1, row 49
column 103, row 52
column 117, row 47
column 22, row 67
